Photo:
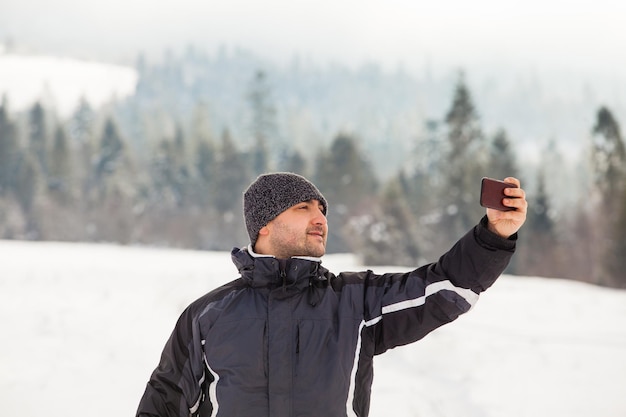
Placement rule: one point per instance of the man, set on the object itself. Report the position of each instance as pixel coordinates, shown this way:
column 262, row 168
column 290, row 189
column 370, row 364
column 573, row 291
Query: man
column 290, row 338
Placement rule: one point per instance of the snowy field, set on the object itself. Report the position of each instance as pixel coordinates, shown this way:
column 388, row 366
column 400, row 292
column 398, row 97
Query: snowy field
column 83, row 327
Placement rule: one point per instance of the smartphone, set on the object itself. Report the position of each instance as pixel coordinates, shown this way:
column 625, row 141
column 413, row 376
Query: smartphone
column 492, row 193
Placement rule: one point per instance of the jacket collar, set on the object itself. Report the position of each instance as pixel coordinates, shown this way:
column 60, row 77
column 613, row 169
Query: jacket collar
column 268, row 271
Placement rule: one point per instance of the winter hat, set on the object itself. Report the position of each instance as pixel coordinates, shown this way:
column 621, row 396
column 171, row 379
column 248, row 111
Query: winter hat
column 271, row 194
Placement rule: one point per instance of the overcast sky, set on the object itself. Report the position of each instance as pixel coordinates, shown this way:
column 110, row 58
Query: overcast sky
column 574, row 34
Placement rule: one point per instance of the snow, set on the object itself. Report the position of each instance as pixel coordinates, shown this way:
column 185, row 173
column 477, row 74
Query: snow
column 25, row 79
column 83, row 327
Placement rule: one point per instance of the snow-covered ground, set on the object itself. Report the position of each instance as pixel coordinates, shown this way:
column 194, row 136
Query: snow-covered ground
column 82, row 327
column 62, row 82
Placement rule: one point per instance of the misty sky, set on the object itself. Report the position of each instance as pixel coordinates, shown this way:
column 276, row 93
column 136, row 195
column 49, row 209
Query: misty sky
column 583, row 35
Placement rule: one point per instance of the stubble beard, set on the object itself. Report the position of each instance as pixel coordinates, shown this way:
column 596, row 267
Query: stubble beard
column 289, row 243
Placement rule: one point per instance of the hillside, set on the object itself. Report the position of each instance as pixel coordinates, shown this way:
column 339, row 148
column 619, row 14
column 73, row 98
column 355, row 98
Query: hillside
column 61, row 82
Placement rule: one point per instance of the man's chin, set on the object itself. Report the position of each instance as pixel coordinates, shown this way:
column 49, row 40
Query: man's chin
column 317, row 247
column 317, row 252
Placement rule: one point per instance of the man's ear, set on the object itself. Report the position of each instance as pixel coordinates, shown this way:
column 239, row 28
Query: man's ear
column 264, row 231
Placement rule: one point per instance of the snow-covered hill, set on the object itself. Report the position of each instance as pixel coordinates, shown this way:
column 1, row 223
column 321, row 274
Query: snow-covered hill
column 62, row 82
column 83, row 327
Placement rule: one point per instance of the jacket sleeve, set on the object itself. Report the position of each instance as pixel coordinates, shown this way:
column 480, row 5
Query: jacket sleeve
column 177, row 386
column 402, row 308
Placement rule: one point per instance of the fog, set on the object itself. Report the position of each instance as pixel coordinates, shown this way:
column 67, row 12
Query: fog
column 584, row 37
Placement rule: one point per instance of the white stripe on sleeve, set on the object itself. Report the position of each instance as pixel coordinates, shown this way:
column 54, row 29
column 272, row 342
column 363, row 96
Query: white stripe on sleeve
column 349, row 410
column 468, row 295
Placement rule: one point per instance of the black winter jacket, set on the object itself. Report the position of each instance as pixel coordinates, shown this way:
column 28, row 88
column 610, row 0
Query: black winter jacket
column 289, row 338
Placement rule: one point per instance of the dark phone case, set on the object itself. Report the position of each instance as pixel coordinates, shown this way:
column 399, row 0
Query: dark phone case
column 492, row 193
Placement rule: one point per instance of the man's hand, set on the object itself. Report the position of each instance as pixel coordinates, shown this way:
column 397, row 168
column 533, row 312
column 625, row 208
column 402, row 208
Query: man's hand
column 506, row 223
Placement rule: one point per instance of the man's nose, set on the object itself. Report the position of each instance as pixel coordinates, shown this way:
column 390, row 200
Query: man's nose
column 319, row 218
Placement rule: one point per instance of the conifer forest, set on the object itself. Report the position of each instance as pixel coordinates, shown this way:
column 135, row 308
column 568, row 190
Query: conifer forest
column 167, row 166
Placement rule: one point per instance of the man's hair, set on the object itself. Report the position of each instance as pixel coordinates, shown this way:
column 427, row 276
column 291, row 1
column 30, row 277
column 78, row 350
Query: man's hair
column 271, row 194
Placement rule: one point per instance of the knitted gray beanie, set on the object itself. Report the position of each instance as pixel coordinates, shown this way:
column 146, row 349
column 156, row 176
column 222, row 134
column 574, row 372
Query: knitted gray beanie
column 271, row 194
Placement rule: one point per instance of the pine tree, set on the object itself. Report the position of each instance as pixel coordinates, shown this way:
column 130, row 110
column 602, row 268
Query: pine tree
column 232, row 177
column 539, row 215
column 502, row 161
column 425, row 173
column 110, row 150
column 182, row 177
column 205, row 158
column 81, row 137
column 464, row 165
column 349, row 185
column 162, row 173
column 60, row 175
column 615, row 259
column 25, row 189
column 169, row 170
column 389, row 235
column 263, row 121
column 38, row 136
column 81, row 123
column 553, row 166
column 107, row 161
column 295, row 162
column 9, row 149
column 608, row 156
column 344, row 174
column 204, row 155
column 540, row 254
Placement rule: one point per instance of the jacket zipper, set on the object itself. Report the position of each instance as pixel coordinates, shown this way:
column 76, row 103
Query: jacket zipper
column 282, row 263
column 297, row 361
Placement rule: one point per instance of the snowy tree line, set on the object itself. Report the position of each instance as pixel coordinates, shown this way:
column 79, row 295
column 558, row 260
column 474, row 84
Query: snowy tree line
column 152, row 171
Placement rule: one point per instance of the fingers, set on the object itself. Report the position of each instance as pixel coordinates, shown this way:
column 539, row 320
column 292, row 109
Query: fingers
column 506, row 223
column 515, row 197
column 512, row 180
column 519, row 204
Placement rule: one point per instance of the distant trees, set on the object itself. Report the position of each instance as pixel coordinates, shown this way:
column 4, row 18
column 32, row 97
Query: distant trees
column 9, row 151
column 607, row 209
column 349, row 184
column 388, row 233
column 167, row 168
column 540, row 253
column 615, row 259
column 108, row 155
column 423, row 181
column 443, row 183
column 38, row 137
column 502, row 161
column 27, row 181
column 608, row 156
column 60, row 181
column 169, row 172
column 466, row 159
column 263, row 121
column 345, row 174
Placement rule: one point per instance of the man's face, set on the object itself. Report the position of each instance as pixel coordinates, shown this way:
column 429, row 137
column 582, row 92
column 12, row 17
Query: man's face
column 301, row 230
